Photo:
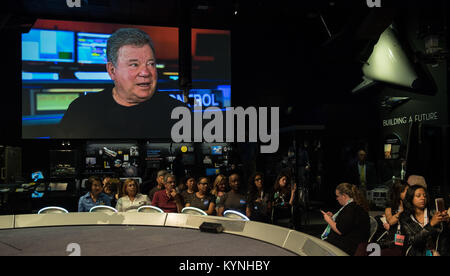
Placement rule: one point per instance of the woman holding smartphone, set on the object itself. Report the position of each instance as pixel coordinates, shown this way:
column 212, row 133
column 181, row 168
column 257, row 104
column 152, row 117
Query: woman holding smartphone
column 423, row 231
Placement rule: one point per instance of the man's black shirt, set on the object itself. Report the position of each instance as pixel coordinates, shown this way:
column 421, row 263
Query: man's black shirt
column 98, row 115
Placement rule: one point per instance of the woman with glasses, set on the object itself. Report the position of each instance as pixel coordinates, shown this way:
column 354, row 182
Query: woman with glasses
column 259, row 199
column 169, row 200
column 202, row 199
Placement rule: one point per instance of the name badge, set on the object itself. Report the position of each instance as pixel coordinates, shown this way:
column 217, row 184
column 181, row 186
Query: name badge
column 399, row 239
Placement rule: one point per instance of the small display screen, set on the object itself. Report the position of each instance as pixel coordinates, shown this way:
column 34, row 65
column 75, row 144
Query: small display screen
column 92, row 48
column 216, row 150
column 48, row 46
column 37, row 175
column 212, row 171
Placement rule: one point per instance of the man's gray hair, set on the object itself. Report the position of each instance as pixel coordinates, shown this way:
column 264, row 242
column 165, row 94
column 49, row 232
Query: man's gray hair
column 126, row 36
column 161, row 173
column 167, row 176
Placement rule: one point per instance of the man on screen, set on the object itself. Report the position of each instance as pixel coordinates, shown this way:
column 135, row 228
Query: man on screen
column 131, row 109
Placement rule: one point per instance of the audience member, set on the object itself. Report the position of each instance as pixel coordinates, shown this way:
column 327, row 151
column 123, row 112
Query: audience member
column 350, row 226
column 283, row 200
column 220, row 187
column 202, row 199
column 159, row 183
column 363, row 173
column 94, row 197
column 132, row 199
column 190, row 188
column 168, row 199
column 393, row 212
column 391, row 218
column 417, row 180
column 259, row 199
column 111, row 188
column 234, row 200
column 422, row 233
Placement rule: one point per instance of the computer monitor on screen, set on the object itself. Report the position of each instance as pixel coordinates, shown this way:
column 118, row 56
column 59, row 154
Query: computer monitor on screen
column 91, row 48
column 37, row 176
column 48, row 46
column 216, row 150
column 212, row 171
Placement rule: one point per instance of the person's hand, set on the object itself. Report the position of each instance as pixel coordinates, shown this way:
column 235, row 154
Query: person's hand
column 173, row 193
column 294, row 187
column 445, row 216
column 435, row 253
column 438, row 218
column 326, row 216
column 386, row 226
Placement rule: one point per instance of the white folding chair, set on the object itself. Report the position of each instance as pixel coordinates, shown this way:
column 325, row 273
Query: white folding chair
column 235, row 215
column 102, row 209
column 149, row 209
column 193, row 211
column 373, row 227
column 53, row 210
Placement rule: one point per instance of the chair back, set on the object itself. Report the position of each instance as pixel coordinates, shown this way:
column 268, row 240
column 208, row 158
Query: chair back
column 193, row 211
column 149, row 209
column 373, row 227
column 53, row 210
column 235, row 215
column 102, row 209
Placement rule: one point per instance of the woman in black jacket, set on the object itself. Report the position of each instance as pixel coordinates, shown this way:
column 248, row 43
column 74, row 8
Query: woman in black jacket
column 421, row 230
column 350, row 226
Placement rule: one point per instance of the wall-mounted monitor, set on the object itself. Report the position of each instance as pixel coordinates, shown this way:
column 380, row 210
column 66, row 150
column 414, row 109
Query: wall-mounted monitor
column 212, row 171
column 63, row 61
column 216, row 150
column 91, row 48
column 48, row 46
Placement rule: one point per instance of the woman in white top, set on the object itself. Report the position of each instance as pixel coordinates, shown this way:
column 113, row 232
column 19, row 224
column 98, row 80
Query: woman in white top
column 131, row 199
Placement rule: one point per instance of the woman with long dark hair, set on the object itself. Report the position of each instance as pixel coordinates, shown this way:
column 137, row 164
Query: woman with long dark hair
column 259, row 198
column 398, row 193
column 283, row 201
column 390, row 220
column 421, row 229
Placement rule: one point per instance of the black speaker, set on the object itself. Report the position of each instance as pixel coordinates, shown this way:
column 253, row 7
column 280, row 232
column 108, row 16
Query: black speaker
column 211, row 227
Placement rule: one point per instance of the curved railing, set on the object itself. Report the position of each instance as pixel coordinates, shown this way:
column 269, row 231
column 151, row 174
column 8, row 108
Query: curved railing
column 294, row 241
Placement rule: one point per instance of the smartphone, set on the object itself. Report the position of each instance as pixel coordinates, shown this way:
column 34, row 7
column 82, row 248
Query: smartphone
column 440, row 204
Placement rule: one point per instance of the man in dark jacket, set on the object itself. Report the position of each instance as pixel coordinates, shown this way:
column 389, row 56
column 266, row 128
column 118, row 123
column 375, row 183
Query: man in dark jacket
column 363, row 173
